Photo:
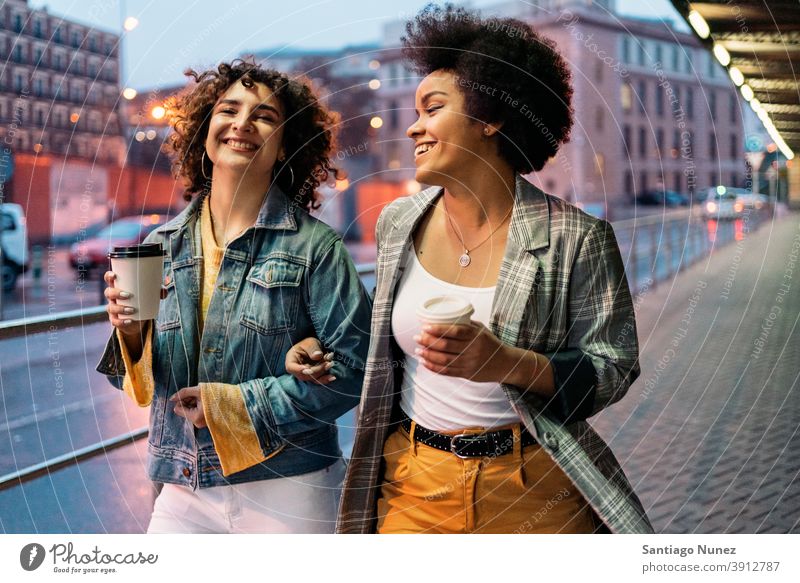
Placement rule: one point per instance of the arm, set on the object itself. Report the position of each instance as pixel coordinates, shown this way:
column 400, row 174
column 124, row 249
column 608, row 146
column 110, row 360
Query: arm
column 340, row 312
column 600, row 358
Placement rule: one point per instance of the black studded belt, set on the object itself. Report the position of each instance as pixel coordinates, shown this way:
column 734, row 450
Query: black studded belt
column 467, row 445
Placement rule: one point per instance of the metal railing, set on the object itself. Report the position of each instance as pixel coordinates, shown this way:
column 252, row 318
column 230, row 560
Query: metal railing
column 47, row 323
column 651, row 228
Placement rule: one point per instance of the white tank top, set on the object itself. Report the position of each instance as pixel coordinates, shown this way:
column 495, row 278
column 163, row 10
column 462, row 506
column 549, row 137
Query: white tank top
column 435, row 401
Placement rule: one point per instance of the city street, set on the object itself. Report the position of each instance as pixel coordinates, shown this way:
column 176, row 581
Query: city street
column 705, row 434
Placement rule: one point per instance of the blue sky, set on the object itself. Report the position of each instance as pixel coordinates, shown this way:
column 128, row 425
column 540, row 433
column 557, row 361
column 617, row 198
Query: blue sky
column 200, row 33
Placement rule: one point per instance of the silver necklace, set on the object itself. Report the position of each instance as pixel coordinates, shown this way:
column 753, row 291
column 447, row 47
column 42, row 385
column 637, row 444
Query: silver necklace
column 465, row 259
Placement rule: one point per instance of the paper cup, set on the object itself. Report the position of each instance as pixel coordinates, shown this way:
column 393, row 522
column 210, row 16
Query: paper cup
column 447, row 309
column 139, row 269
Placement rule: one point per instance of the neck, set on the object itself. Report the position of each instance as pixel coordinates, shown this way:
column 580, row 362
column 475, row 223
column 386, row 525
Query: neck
column 235, row 203
column 484, row 195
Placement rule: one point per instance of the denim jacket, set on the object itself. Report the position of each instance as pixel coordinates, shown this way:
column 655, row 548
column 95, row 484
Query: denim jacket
column 286, row 278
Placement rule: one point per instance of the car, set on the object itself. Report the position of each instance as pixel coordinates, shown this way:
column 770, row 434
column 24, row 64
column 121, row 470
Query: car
column 662, row 198
column 722, row 203
column 91, row 254
column 14, row 242
column 758, row 202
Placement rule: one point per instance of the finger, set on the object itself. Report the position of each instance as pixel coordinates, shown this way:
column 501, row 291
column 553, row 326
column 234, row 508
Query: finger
column 317, row 370
column 114, row 294
column 436, row 357
column 451, row 346
column 329, row 356
column 125, row 324
column 454, row 331
column 120, row 310
column 442, row 370
column 109, row 277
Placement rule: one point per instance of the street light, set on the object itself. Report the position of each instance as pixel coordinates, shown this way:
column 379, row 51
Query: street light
column 130, row 23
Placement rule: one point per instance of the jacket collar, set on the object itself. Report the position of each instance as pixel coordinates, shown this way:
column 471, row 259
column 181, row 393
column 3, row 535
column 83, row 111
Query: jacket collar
column 530, row 218
column 277, row 212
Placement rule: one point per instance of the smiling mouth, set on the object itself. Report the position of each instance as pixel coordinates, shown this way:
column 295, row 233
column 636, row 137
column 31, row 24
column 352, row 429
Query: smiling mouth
column 422, row 149
column 240, row 146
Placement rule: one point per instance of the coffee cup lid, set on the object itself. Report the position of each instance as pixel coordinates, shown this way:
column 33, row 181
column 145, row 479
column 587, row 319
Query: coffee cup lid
column 448, row 306
column 137, row 251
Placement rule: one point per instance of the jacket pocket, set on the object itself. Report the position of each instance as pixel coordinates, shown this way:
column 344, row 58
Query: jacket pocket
column 168, row 313
column 272, row 296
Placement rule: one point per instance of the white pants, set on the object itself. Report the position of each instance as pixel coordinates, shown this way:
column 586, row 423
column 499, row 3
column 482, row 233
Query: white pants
column 298, row 504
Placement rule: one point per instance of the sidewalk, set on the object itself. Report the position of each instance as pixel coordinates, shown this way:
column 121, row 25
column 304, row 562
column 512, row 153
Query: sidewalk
column 708, row 434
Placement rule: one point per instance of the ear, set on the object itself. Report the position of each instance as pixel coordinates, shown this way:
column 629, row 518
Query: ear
column 491, row 129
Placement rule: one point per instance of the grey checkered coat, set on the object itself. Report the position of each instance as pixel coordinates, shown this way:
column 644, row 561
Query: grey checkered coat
column 561, row 291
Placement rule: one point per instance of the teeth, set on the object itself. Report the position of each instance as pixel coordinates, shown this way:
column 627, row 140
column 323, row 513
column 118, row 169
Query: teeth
column 241, row 145
column 422, row 148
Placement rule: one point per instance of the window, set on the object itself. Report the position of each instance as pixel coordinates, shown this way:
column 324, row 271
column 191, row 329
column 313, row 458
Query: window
column 19, row 82
column 713, row 179
column 39, row 87
column 659, row 54
column 18, row 56
column 676, row 143
column 628, row 183
column 712, row 104
column 678, row 182
column 659, row 100
column 58, row 35
column 643, row 182
column 733, row 107
column 394, row 117
column 599, row 119
column 734, row 145
column 18, row 23
column 92, row 44
column 642, row 96
column 642, row 55
column 659, row 141
column 38, row 53
column 37, row 28
column 626, row 96
column 642, row 142
column 712, row 145
column 76, row 38
column 626, row 140
column 690, row 102
column 626, row 49
column 676, row 55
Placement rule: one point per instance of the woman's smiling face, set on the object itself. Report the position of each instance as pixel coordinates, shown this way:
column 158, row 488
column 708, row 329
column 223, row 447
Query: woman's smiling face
column 445, row 137
column 245, row 133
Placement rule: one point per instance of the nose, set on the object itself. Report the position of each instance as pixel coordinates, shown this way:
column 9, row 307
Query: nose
column 414, row 129
column 242, row 122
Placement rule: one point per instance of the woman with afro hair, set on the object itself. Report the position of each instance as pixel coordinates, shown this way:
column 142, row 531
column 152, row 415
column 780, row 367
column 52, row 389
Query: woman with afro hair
column 238, row 444
column 482, row 427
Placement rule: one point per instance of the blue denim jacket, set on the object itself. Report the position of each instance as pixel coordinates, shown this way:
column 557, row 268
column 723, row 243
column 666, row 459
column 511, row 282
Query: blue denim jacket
column 286, row 278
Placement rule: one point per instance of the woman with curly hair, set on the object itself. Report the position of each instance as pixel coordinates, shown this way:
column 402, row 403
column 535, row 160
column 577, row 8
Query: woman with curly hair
column 240, row 445
column 481, row 427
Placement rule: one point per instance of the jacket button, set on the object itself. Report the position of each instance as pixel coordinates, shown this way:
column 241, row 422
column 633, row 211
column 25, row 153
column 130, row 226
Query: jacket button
column 550, row 440
column 187, row 472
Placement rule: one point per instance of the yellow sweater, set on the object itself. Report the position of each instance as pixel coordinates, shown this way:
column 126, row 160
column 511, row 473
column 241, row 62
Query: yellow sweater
column 231, row 428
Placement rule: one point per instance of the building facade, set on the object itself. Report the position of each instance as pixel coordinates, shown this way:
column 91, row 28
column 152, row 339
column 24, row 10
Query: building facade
column 653, row 109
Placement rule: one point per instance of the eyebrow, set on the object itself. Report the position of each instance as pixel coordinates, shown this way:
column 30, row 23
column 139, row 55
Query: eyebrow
column 259, row 106
column 428, row 96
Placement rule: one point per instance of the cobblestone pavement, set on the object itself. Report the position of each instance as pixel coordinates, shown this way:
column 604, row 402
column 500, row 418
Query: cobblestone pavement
column 708, row 434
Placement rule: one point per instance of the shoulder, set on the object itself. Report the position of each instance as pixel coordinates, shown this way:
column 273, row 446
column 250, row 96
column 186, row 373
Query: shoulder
column 319, row 237
column 568, row 222
column 400, row 207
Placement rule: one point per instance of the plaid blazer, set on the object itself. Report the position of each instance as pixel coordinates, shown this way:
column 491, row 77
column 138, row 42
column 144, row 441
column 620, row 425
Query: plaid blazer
column 561, row 291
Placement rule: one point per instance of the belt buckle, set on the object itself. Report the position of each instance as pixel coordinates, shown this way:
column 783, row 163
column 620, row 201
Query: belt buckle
column 468, row 436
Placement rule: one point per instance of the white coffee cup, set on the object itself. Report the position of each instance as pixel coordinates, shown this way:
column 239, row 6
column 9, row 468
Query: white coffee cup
column 447, row 309
column 139, row 269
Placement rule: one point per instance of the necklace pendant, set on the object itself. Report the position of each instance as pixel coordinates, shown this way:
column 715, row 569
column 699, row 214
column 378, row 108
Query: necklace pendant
column 464, row 260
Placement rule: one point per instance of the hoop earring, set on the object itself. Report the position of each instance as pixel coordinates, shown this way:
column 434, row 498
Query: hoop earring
column 291, row 173
column 203, row 166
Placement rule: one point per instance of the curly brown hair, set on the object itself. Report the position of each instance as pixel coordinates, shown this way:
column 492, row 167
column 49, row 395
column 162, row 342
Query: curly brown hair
column 308, row 136
column 504, row 54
